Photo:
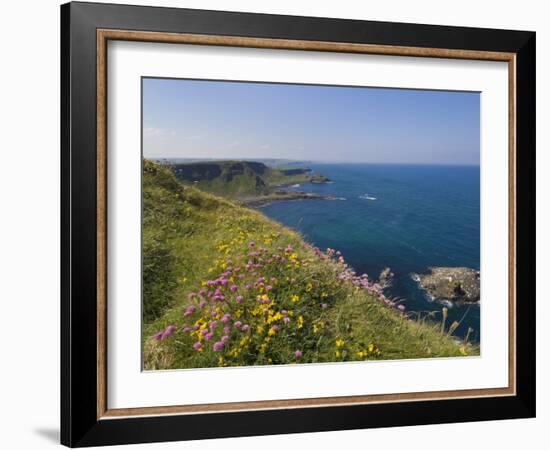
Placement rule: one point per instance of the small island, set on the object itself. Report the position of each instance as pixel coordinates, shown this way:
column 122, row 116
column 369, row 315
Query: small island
column 454, row 284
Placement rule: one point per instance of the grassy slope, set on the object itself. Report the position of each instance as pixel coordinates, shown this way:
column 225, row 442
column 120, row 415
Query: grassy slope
column 190, row 237
column 236, row 179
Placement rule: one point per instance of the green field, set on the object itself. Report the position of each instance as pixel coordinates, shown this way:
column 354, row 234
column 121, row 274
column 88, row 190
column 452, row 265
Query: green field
column 225, row 286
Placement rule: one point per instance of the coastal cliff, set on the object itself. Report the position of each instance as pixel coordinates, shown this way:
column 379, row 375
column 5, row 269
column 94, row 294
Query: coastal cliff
column 275, row 298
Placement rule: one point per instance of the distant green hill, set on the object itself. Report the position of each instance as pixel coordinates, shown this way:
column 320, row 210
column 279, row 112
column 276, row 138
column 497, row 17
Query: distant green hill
column 223, row 285
column 242, row 179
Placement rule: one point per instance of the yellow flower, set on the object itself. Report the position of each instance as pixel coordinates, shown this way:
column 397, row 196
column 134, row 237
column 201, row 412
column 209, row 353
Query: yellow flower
column 361, row 354
column 462, row 350
column 300, row 322
column 338, row 354
column 309, row 287
column 340, row 343
column 370, row 348
column 295, row 298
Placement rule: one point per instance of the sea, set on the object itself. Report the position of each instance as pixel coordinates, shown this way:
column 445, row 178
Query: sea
column 405, row 217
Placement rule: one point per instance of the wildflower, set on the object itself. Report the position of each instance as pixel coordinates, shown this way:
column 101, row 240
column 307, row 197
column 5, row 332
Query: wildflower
column 213, row 324
column 227, row 329
column 237, row 324
column 187, row 330
column 273, row 330
column 295, row 298
column 204, row 331
column 298, row 354
column 224, row 338
column 462, row 350
column 189, row 311
column 245, row 328
column 286, row 320
column 218, row 346
column 233, row 288
column 251, row 244
column 203, row 303
column 239, row 299
column 191, row 295
column 324, row 306
column 225, row 318
column 168, row 331
column 197, row 346
column 300, row 322
column 158, row 336
column 401, row 308
column 208, row 336
column 340, row 343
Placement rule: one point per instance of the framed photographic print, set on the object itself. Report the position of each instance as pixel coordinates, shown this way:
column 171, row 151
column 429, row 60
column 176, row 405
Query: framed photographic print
column 277, row 224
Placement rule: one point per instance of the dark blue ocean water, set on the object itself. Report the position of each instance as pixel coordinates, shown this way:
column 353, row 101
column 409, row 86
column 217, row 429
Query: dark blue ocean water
column 422, row 216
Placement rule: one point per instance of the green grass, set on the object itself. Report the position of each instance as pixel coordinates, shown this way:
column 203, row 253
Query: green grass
column 190, row 237
column 238, row 179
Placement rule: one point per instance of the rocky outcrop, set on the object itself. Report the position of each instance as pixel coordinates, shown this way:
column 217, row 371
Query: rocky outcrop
column 455, row 284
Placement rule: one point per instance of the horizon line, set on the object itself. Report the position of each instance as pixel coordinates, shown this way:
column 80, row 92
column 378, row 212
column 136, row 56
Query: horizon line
column 317, row 161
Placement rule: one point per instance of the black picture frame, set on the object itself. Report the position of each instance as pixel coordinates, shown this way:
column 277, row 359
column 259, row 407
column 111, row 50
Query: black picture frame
column 79, row 423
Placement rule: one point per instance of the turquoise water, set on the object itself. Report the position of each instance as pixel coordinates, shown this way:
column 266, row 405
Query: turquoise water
column 422, row 216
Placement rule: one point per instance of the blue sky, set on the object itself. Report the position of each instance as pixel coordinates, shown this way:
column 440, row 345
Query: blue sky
column 241, row 120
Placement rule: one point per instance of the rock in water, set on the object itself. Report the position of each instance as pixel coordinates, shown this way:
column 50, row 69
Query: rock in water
column 455, row 284
column 385, row 278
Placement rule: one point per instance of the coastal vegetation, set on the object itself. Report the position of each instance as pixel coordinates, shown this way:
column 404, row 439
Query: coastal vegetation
column 247, row 182
column 223, row 285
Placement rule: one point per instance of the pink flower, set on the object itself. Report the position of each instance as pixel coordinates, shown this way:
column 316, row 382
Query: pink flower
column 245, row 328
column 251, row 244
column 298, row 354
column 213, row 324
column 218, row 346
column 203, row 303
column 191, row 295
column 158, row 336
column 197, row 346
column 234, row 288
column 204, row 332
column 189, row 311
column 225, row 318
column 238, row 324
column 239, row 299
column 168, row 331
column 208, row 336
column 187, row 330
column 286, row 320
column 224, row 338
column 401, row 308
column 227, row 329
